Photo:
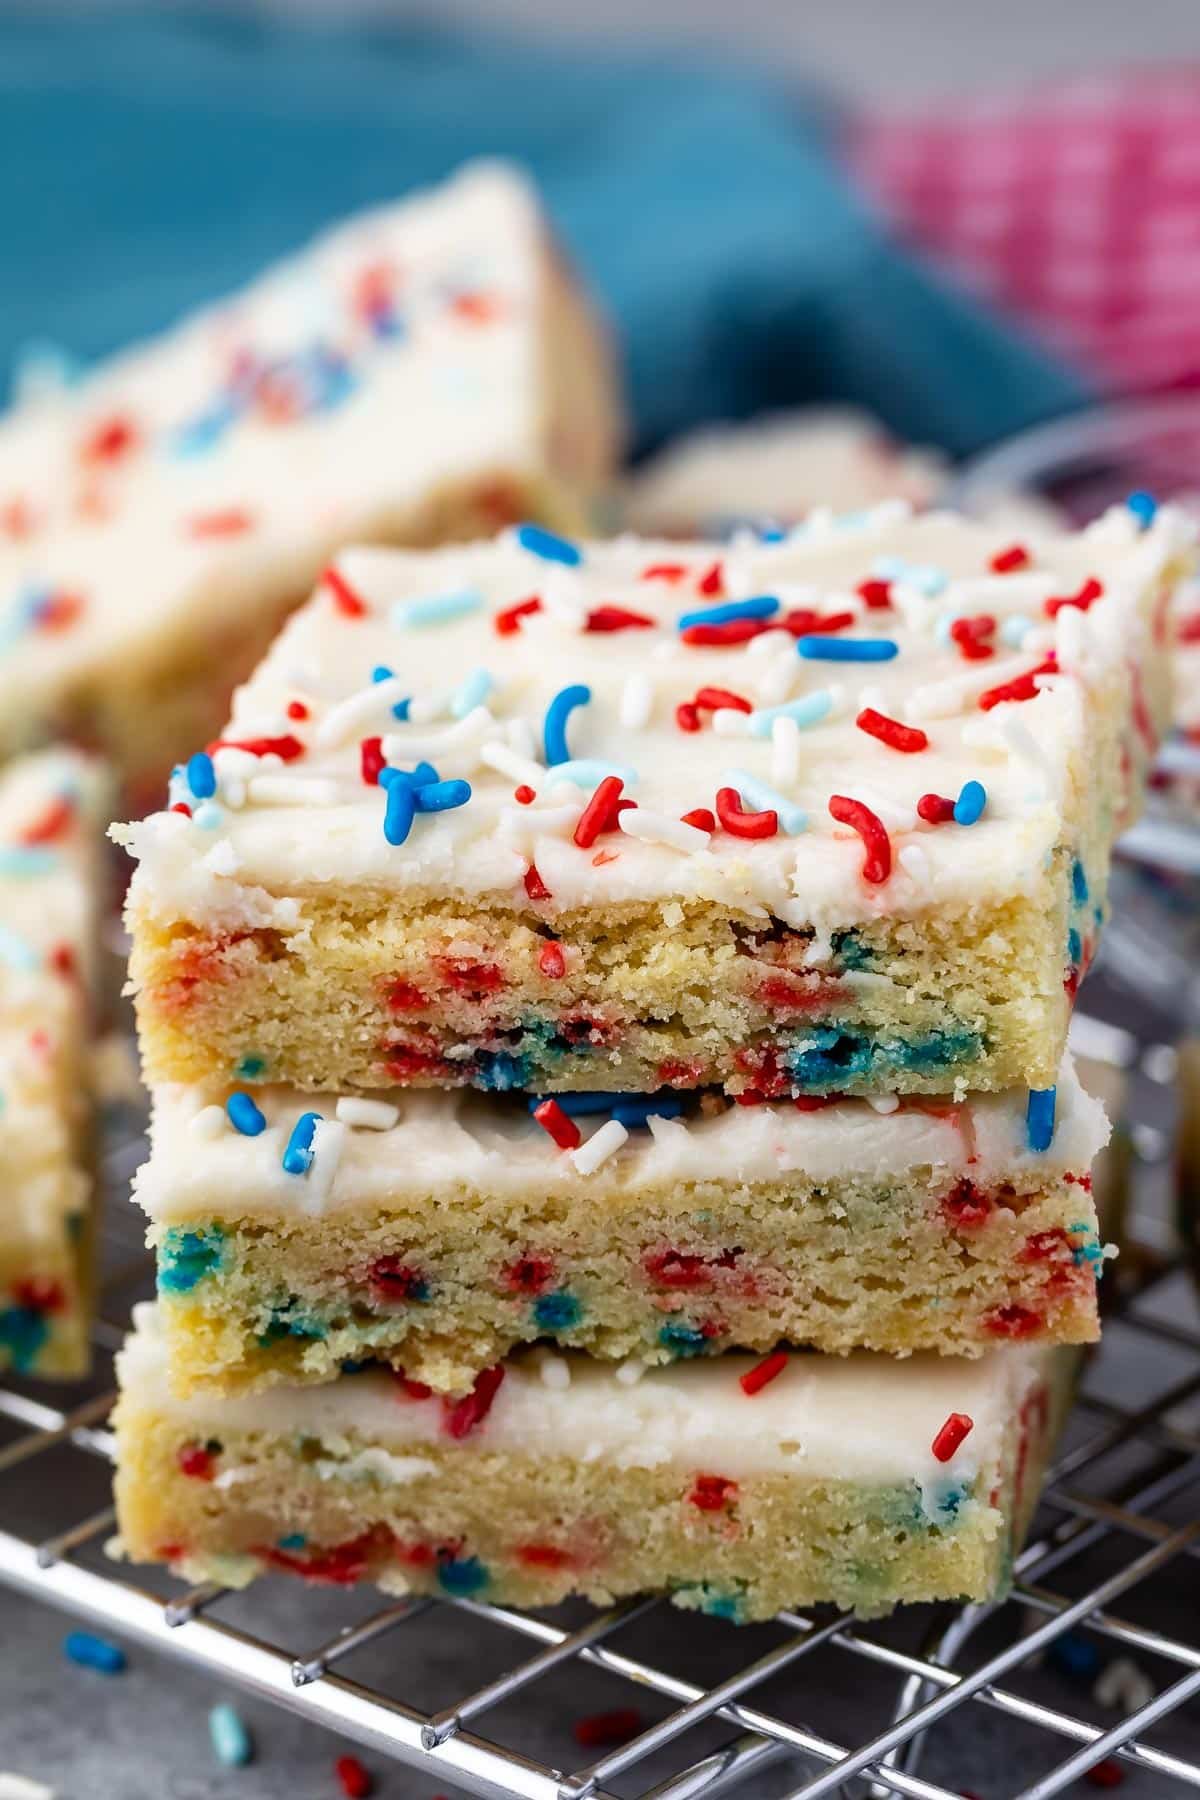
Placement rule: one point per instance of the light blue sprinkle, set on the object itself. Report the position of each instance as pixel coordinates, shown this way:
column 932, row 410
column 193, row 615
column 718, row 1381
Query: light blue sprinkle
column 470, row 693
column 550, row 548
column 435, row 609
column 822, row 648
column 209, row 816
column 759, row 606
column 400, row 808
column 27, row 860
column 554, row 728
column 201, row 776
column 230, row 1739
column 972, row 798
column 441, row 796
column 1015, row 630
column 203, row 433
column 1143, row 506
column 297, row 1158
column 588, row 772
column 792, row 818
column 926, row 579
column 15, row 953
column 1039, row 1118
column 942, row 624
column 889, row 568
column 244, row 1116
column 810, row 709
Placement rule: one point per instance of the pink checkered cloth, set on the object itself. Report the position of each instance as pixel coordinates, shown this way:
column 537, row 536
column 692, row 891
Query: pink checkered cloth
column 1075, row 208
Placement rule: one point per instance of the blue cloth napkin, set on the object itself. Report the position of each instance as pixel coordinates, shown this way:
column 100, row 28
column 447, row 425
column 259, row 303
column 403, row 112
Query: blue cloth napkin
column 151, row 161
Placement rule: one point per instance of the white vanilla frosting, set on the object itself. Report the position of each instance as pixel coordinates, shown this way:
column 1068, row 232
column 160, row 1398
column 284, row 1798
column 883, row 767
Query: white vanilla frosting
column 860, row 1418
column 448, row 1144
column 478, row 697
column 213, row 470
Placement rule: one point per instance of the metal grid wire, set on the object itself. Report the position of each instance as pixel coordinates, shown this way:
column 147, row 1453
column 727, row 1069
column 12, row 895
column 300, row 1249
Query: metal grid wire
column 822, row 1703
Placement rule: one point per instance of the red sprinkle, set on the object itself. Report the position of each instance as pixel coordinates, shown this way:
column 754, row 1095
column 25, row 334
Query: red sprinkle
column 1023, row 687
column 891, row 732
column 1086, row 595
column 296, row 709
column 286, row 748
column 969, row 635
column 51, row 823
column 617, row 618
column 544, row 1556
column 1005, row 561
column 348, row 603
column 733, row 631
column 371, row 759
column 1105, row 1774
column 40, row 1293
column 801, row 622
column 1013, row 1322
column 686, row 716
column 196, row 1461
column 509, row 620
column 935, row 809
column 877, row 864
column 814, row 1102
column 412, row 1390
column 229, row 523
column 664, row 572
column 110, row 440
column 460, row 1417
column 713, row 699
column 712, row 581
column 600, row 813
column 950, row 1435
column 524, row 795
column 701, row 818
column 355, row 1780
column 529, row 1274
column 58, row 611
column 558, row 1124
column 535, row 887
column 743, row 824
column 552, row 962
column 181, row 806
column 712, row 1493
column 394, row 1279
column 757, row 1378
column 876, row 593
column 611, row 1728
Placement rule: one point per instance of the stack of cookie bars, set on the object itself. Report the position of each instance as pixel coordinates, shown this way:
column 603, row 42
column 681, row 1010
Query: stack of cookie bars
column 606, row 1006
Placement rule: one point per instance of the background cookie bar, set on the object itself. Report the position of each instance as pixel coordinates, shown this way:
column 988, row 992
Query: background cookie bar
column 738, row 1486
column 51, row 868
column 827, row 814
column 426, row 371
column 437, row 1231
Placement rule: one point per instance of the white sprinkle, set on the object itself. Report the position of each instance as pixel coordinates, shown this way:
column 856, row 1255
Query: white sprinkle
column 769, row 643
column 522, row 824
column 883, row 1103
column 555, row 1372
column 915, row 863
column 943, row 699
column 222, row 859
column 873, row 697
column 521, row 769
column 916, row 609
column 344, row 721
column 563, row 598
column 369, row 1115
column 265, row 725
column 230, row 765
column 730, row 721
column 465, row 734
column 292, row 790
column 630, row 1373
column 518, row 735
column 979, row 593
column 819, row 953
column 328, row 1142
column 209, row 1122
column 1022, row 743
column 785, row 751
column 657, row 828
column 425, row 708
column 599, row 1147
column 637, row 702
column 778, row 677
column 1123, row 1687
column 233, row 793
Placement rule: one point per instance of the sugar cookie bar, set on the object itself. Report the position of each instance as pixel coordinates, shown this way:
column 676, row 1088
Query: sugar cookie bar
column 829, row 814
column 438, row 1231
column 737, row 1486
column 50, row 898
column 424, row 371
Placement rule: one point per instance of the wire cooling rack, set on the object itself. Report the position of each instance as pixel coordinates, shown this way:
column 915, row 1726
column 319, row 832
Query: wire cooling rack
column 810, row 1704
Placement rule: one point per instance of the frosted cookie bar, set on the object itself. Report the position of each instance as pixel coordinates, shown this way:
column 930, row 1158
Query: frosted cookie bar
column 424, row 371
column 50, row 898
column 830, row 814
column 737, row 1486
column 438, row 1231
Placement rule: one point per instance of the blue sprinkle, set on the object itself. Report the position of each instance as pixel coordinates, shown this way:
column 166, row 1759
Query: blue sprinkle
column 251, row 1067
column 23, row 1335
column 968, row 808
column 1079, row 883
column 771, row 534
column 549, row 547
column 556, row 1312
column 810, row 709
column 440, row 796
column 554, row 729
column 435, row 609
column 792, row 818
column 759, row 606
column 185, row 1258
column 471, row 692
column 635, row 1111
column 420, row 777
column 1143, row 506
column 230, row 1739
column 1074, row 946
column 583, row 1105
column 94, row 1653
column 1039, row 1118
column 201, row 776
column 296, row 1540
column 683, row 1340
column 400, row 808
column 381, row 672
column 244, row 1116
column 1075, row 1655
column 462, row 1575
column 297, row 1158
column 826, row 648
